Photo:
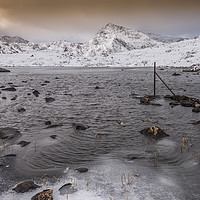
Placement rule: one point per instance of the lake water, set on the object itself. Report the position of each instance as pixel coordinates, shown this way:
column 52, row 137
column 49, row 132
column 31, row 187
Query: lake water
column 121, row 161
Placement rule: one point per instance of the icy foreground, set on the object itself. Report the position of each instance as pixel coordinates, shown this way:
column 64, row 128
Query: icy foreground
column 111, row 46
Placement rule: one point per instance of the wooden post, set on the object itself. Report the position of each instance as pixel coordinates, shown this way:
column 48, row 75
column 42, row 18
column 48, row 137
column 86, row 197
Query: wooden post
column 165, row 84
column 154, row 93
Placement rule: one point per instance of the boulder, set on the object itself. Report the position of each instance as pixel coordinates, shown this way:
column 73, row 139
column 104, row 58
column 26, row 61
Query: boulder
column 67, row 189
column 145, row 100
column 25, row 187
column 44, row 195
column 82, row 170
column 79, row 126
column 196, row 110
column 188, row 103
column 174, row 103
column 154, row 132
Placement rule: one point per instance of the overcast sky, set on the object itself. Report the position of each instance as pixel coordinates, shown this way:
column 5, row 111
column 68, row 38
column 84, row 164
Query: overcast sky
column 79, row 20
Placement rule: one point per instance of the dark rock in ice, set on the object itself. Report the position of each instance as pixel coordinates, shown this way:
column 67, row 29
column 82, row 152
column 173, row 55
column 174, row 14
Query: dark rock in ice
column 25, row 187
column 4, row 70
column 156, row 104
column 188, row 103
column 176, row 74
column 53, row 136
column 97, row 87
column 46, row 81
column 67, row 189
column 36, row 93
column 3, row 86
column 4, row 98
column 54, row 125
column 44, row 195
column 9, row 133
column 24, row 143
column 154, row 132
column 24, row 81
column 43, row 84
column 82, row 170
column 47, row 123
column 9, row 155
column 14, row 98
column 28, row 94
column 196, row 110
column 79, row 126
column 174, row 103
column 21, row 110
column 11, row 89
column 196, row 123
column 49, row 99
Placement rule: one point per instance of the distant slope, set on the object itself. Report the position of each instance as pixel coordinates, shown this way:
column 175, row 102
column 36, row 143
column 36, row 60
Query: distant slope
column 165, row 39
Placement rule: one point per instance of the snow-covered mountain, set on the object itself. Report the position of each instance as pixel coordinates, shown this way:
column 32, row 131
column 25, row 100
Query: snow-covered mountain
column 112, row 45
column 113, row 39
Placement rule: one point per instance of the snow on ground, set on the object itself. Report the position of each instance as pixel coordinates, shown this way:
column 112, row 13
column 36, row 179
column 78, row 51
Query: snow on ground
column 184, row 53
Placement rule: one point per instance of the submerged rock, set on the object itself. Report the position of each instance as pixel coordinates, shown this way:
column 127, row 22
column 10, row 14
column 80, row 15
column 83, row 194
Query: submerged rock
column 79, row 126
column 14, row 98
column 53, row 136
column 174, row 103
column 9, row 133
column 82, row 170
column 25, row 187
column 176, row 74
column 49, row 99
column 47, row 123
column 11, row 89
column 24, row 143
column 4, row 70
column 36, row 93
column 67, row 189
column 154, row 132
column 196, row 123
column 9, row 155
column 44, row 195
column 21, row 110
column 54, row 125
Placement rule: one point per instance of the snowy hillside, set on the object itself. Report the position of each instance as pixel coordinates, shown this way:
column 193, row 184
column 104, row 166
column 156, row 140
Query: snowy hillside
column 111, row 46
